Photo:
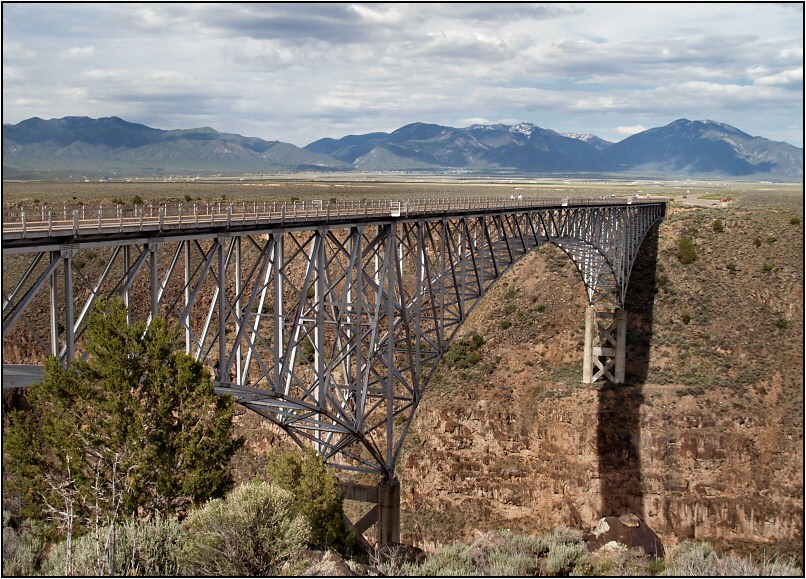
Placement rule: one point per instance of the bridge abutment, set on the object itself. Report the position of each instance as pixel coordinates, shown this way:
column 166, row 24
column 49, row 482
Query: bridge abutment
column 605, row 353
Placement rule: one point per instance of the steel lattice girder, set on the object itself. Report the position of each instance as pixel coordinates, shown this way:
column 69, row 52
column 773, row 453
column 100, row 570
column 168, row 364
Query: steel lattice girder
column 331, row 332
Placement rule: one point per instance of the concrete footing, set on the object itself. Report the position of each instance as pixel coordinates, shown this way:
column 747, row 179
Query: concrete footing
column 385, row 512
column 389, row 512
column 605, row 346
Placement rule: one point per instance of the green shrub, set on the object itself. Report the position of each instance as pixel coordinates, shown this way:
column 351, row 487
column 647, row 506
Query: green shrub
column 772, row 239
column 23, row 553
column 693, row 559
column 315, row 496
column 563, row 558
column 541, row 308
column 757, row 242
column 560, row 552
column 505, row 324
column 509, row 563
column 686, row 318
column 731, row 266
column 767, row 267
column 794, row 221
column 781, row 323
column 686, row 252
column 690, row 558
column 150, row 548
column 463, row 353
column 717, row 226
column 253, row 531
column 137, row 200
column 561, row 535
column 450, row 561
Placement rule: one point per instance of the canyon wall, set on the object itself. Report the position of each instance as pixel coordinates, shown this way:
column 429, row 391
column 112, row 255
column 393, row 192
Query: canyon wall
column 704, row 441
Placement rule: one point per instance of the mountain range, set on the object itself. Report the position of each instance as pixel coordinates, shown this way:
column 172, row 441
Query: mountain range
column 81, row 147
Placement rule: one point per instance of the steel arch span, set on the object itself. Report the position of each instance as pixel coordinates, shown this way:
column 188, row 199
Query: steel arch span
column 328, row 321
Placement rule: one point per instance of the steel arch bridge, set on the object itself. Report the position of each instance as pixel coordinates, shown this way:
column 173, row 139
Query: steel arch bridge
column 328, row 319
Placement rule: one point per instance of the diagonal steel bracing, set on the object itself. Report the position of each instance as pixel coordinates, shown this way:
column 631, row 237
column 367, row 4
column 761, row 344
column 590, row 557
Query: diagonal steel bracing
column 328, row 320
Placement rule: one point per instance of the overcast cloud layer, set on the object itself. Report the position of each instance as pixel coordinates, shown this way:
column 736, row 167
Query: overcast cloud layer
column 298, row 72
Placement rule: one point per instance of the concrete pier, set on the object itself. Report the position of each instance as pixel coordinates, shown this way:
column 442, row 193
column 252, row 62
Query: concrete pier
column 385, row 511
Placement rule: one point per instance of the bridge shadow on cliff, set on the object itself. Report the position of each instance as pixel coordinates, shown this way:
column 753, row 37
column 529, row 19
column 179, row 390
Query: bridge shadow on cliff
column 619, row 412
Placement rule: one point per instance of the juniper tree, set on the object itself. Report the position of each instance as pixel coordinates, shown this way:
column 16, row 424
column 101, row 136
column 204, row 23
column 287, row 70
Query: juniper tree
column 315, row 489
column 138, row 423
column 686, row 250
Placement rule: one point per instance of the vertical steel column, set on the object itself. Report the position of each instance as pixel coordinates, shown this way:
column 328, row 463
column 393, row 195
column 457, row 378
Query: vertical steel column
column 350, row 309
column 358, row 330
column 155, row 308
column 222, row 325
column 442, row 297
column 69, row 315
column 587, row 359
column 462, row 267
column 318, row 257
column 54, row 307
column 126, row 265
column 238, row 316
column 420, row 294
column 391, row 264
column 278, row 345
column 378, row 258
column 188, row 338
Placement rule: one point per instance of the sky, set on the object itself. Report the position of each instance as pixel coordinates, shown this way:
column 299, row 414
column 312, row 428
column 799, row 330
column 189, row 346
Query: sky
column 300, row 72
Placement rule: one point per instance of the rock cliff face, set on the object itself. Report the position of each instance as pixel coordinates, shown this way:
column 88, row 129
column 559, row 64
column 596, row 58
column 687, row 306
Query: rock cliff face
column 705, row 440
column 694, row 476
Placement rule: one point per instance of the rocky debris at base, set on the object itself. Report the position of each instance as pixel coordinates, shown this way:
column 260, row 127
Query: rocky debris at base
column 326, row 564
column 626, row 532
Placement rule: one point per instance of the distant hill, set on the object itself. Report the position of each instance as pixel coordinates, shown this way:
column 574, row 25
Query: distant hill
column 702, row 148
column 84, row 147
column 112, row 146
column 681, row 149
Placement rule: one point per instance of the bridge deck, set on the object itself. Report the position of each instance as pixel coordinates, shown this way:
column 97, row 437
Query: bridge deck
column 29, row 227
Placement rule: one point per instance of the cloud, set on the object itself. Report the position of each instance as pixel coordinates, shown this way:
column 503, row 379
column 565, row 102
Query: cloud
column 788, row 78
column 77, row 52
column 302, row 71
column 631, row 130
column 14, row 50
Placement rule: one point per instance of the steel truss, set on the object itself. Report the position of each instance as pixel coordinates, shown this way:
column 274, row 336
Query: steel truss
column 330, row 330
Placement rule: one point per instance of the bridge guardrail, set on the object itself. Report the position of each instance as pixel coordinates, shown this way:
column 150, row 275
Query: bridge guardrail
column 43, row 220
